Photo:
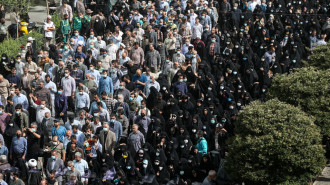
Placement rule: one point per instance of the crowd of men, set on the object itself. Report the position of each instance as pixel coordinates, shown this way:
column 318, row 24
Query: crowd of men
column 144, row 92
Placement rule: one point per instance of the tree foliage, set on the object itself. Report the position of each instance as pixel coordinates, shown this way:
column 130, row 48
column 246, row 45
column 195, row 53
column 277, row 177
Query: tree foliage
column 320, row 58
column 276, row 143
column 12, row 46
column 308, row 89
column 22, row 6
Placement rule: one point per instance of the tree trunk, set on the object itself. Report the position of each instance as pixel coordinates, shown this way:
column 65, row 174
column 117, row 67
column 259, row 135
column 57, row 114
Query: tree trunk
column 17, row 28
column 47, row 5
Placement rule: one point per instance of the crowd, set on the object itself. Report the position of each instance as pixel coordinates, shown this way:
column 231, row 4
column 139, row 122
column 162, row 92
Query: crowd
column 144, row 92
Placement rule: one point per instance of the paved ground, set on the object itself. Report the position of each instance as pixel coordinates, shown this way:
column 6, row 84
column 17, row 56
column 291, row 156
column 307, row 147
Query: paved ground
column 37, row 14
column 324, row 178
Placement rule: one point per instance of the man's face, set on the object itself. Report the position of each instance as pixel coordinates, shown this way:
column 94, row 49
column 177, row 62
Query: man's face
column 135, row 128
column 17, row 91
column 41, row 85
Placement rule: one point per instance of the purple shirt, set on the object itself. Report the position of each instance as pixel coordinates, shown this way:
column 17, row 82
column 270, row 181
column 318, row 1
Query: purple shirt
column 4, row 120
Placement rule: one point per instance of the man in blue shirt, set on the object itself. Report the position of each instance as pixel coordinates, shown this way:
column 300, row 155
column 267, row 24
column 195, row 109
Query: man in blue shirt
column 14, row 79
column 20, row 98
column 94, row 107
column 115, row 126
column 18, row 147
column 139, row 79
column 105, row 84
column 3, row 149
column 180, row 86
column 58, row 130
column 77, row 74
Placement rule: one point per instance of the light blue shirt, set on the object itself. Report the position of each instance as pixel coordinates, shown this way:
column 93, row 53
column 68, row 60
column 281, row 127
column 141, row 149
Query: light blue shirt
column 81, row 166
column 80, row 38
column 94, row 107
column 66, row 54
column 95, row 74
column 106, row 85
column 162, row 5
column 21, row 99
column 66, row 141
column 94, row 151
column 68, row 126
column 60, row 133
column 4, row 150
column 139, row 99
column 82, row 100
column 18, row 146
column 150, row 84
column 3, row 182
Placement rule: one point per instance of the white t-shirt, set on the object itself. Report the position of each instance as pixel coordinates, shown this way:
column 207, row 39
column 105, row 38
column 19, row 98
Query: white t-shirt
column 46, row 26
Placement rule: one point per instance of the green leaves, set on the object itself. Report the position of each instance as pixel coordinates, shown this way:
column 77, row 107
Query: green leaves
column 308, row 88
column 276, row 144
column 21, row 5
column 12, row 46
column 320, row 58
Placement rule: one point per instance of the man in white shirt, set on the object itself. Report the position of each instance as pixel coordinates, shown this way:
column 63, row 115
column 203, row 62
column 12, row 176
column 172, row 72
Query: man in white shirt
column 151, row 83
column 112, row 50
column 193, row 17
column 49, row 27
column 80, row 164
column 197, row 30
column 52, row 88
column 91, row 38
column 100, row 44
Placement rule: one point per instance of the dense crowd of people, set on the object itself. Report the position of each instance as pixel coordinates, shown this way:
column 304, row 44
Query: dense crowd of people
column 144, row 92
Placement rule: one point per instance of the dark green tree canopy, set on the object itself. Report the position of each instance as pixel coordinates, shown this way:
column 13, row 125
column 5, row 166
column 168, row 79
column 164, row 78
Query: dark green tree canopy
column 276, row 143
column 320, row 58
column 308, row 88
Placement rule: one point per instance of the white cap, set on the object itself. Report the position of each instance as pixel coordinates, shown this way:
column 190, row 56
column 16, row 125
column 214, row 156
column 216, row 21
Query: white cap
column 30, row 39
column 123, row 45
column 49, row 17
column 32, row 163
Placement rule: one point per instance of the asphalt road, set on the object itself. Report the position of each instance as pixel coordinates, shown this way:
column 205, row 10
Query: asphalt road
column 37, row 14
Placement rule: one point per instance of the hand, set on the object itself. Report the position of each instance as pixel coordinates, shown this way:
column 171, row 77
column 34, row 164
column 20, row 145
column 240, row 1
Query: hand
column 30, row 130
column 50, row 88
column 61, row 114
column 23, row 157
column 31, row 95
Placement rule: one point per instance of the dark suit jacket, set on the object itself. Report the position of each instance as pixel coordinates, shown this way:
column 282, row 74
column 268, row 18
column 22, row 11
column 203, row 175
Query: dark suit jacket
column 58, row 164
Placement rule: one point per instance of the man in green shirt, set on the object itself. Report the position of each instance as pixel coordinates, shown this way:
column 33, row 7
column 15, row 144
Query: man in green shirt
column 86, row 20
column 77, row 22
column 65, row 28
